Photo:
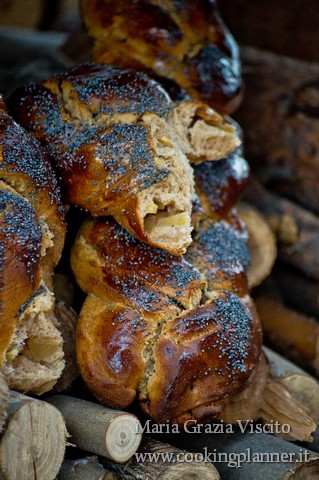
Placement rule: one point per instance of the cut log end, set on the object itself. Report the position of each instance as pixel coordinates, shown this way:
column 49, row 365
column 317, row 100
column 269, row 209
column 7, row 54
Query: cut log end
column 33, row 444
column 122, row 437
column 109, row 433
column 307, row 470
column 261, row 243
column 305, row 389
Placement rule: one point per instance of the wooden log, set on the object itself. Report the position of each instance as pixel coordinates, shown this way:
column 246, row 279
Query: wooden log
column 296, row 229
column 288, row 27
column 314, row 444
column 63, row 289
column 269, row 399
column 94, row 428
column 247, row 404
column 33, row 443
column 164, row 462
column 256, row 455
column 261, row 243
column 291, row 333
column 280, row 408
column 87, row 468
column 66, row 321
column 301, row 385
column 280, row 119
column 4, row 400
column 298, row 291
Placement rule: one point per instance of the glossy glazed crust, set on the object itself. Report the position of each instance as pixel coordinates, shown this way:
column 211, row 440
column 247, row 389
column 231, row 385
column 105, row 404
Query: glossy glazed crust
column 149, row 329
column 219, row 185
column 184, row 41
column 89, row 121
column 122, row 148
column 108, row 262
column 219, row 251
column 20, row 253
column 72, row 114
column 24, row 166
column 202, row 357
column 111, row 340
column 32, row 227
column 180, row 367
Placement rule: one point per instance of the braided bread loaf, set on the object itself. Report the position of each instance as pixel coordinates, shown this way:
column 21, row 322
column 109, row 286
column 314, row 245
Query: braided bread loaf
column 184, row 41
column 179, row 333
column 32, row 232
column 122, row 147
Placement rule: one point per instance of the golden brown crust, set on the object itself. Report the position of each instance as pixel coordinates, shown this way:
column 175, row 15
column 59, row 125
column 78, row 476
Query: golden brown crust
column 219, row 185
column 32, row 231
column 220, row 252
column 184, row 41
column 24, row 166
column 144, row 333
column 110, row 345
column 110, row 263
column 90, row 121
column 202, row 357
column 20, row 252
column 122, row 148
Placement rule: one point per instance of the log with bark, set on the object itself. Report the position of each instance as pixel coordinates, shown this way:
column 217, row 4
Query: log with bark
column 259, row 455
column 280, row 119
column 288, row 27
column 301, row 385
column 272, row 400
column 164, row 462
column 296, row 229
column 103, row 431
column 293, row 334
column 87, row 468
column 297, row 290
column 33, row 442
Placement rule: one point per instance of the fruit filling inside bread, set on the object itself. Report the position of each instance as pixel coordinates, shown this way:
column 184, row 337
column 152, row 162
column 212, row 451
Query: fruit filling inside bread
column 166, row 206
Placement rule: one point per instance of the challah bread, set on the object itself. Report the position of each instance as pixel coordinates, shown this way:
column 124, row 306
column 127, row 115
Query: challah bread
column 35, row 359
column 185, row 42
column 219, row 251
column 20, row 253
column 147, row 328
column 120, row 146
column 24, row 166
column 32, row 232
column 219, row 185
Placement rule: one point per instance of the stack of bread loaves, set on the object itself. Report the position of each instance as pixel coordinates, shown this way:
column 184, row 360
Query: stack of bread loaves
column 32, row 232
column 168, row 318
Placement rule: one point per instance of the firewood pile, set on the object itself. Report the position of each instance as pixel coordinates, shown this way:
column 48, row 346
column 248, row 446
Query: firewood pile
column 269, row 429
